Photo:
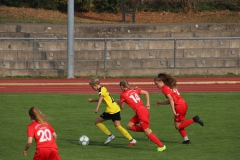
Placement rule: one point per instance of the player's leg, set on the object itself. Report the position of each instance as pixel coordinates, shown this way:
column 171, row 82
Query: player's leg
column 181, row 123
column 124, row 132
column 132, row 124
column 99, row 123
column 42, row 153
column 116, row 118
column 183, row 133
column 144, row 122
column 54, row 154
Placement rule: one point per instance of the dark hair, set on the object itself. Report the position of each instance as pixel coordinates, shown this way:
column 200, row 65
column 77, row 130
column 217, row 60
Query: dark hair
column 167, row 79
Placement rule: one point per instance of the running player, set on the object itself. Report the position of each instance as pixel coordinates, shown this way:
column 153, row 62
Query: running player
column 140, row 122
column 112, row 112
column 178, row 104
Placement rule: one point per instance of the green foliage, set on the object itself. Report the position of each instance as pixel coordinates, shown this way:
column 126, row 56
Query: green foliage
column 80, row 5
column 72, row 116
column 159, row 6
column 111, row 6
column 46, row 4
column 216, row 6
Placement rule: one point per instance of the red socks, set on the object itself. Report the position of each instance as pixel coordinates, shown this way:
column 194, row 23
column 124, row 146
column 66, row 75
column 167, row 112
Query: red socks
column 155, row 139
column 136, row 128
column 185, row 123
column 183, row 132
column 151, row 136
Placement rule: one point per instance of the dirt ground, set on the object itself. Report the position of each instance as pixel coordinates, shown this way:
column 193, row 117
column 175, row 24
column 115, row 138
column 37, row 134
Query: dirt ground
column 29, row 15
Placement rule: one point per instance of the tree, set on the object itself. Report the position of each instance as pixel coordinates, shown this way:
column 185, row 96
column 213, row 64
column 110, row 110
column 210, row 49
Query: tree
column 188, row 6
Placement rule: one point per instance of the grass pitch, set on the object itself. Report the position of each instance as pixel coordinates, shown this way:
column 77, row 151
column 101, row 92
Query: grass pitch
column 72, row 116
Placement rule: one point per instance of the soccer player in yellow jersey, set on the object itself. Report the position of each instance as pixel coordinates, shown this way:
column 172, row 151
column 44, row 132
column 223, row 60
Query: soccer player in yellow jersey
column 112, row 112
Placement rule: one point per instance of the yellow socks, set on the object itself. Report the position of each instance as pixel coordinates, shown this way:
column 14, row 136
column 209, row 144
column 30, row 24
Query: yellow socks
column 103, row 128
column 124, row 132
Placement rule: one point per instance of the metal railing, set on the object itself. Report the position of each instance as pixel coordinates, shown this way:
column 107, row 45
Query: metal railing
column 107, row 40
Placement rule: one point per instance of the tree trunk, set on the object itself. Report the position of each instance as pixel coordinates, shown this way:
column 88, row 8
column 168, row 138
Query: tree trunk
column 188, row 6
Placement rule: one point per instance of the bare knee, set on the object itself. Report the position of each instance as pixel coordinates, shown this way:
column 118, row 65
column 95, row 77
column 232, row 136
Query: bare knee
column 147, row 131
column 177, row 125
column 129, row 125
column 99, row 120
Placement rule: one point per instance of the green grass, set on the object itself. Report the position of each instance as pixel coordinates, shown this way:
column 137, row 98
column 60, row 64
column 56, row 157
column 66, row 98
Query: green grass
column 72, row 116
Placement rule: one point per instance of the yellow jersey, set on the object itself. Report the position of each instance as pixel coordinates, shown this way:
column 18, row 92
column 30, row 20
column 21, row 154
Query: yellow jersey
column 111, row 106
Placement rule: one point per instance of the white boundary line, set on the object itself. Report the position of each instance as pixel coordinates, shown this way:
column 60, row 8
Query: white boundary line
column 112, row 83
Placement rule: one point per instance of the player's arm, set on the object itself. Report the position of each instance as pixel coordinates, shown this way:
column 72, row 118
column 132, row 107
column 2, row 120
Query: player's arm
column 121, row 104
column 162, row 103
column 121, row 101
column 92, row 100
column 99, row 103
column 54, row 135
column 172, row 104
column 146, row 94
column 28, row 144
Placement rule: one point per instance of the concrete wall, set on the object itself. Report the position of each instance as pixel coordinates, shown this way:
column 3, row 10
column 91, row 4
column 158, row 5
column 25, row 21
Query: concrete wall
column 123, row 57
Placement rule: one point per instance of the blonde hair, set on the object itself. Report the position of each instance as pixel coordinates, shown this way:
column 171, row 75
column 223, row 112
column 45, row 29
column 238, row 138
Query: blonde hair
column 37, row 115
column 167, row 79
column 124, row 83
column 94, row 80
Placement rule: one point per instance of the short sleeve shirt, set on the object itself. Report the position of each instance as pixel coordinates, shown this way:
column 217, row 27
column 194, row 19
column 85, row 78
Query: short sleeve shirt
column 174, row 93
column 111, row 106
column 132, row 98
column 42, row 135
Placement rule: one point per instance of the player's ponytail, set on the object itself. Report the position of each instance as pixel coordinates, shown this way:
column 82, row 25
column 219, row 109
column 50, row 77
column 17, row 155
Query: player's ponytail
column 37, row 115
column 124, row 83
column 167, row 79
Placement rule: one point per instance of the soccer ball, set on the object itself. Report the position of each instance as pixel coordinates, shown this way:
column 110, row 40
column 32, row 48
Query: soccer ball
column 84, row 140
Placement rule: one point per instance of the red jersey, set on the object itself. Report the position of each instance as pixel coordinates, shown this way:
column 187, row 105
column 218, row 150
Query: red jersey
column 42, row 135
column 132, row 98
column 174, row 93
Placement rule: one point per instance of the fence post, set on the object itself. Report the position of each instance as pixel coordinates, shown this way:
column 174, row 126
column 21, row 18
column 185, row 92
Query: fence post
column 105, row 54
column 34, row 54
column 70, row 40
column 175, row 50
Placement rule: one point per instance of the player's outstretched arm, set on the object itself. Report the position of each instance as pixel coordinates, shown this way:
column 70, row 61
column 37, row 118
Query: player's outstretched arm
column 146, row 94
column 162, row 103
column 92, row 100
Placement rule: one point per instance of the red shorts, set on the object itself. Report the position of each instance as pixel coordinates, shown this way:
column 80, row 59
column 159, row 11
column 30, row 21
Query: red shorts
column 46, row 154
column 181, row 109
column 141, row 117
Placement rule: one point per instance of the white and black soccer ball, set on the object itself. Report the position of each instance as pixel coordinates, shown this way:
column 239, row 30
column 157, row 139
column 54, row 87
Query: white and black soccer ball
column 84, row 140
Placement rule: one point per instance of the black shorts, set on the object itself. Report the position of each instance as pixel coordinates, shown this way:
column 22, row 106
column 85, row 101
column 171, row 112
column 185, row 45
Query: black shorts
column 113, row 117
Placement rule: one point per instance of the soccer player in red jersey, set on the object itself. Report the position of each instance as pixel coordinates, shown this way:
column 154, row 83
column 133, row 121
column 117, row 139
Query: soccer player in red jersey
column 44, row 135
column 179, row 106
column 112, row 112
column 140, row 122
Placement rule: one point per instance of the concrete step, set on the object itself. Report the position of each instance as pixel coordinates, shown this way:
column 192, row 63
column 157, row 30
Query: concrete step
column 108, row 29
column 123, row 64
column 11, row 55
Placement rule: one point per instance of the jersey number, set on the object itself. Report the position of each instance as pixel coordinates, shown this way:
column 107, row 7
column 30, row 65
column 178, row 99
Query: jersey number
column 135, row 98
column 45, row 135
